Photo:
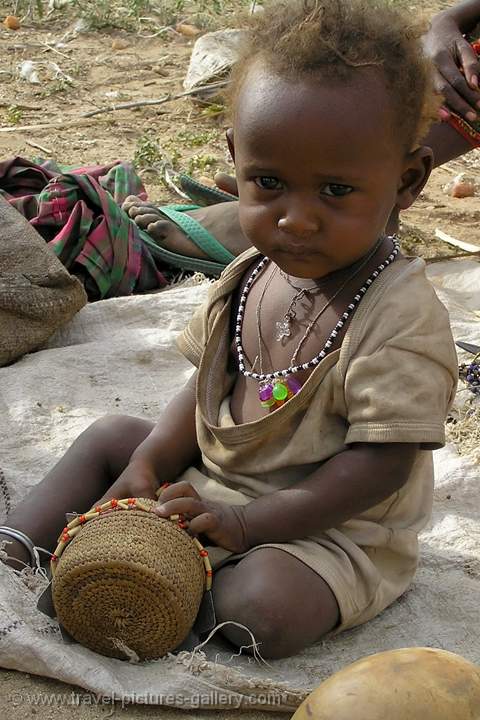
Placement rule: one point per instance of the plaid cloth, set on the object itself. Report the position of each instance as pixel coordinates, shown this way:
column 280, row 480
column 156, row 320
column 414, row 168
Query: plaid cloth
column 77, row 211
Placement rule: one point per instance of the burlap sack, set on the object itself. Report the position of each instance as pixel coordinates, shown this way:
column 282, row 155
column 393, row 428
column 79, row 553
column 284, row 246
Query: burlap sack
column 37, row 294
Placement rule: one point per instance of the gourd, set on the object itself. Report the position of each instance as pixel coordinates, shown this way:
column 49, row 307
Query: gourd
column 407, row 684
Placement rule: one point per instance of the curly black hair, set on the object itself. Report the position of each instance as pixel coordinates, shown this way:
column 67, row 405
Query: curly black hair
column 335, row 39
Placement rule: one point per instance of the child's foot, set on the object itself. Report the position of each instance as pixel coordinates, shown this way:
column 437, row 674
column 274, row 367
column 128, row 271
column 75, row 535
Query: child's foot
column 220, row 220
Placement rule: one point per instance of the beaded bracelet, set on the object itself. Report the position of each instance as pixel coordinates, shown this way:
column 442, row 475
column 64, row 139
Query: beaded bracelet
column 466, row 129
column 74, row 527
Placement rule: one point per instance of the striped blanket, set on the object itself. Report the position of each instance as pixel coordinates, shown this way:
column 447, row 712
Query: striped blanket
column 77, row 212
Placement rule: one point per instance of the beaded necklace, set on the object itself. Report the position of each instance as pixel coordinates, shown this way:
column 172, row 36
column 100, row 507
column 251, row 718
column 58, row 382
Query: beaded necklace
column 274, row 387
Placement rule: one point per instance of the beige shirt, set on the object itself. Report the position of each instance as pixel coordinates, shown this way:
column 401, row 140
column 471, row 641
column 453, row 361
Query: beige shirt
column 392, row 380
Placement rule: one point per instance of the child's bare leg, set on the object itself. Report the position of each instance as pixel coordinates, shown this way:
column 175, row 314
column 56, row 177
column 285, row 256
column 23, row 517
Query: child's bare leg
column 285, row 604
column 83, row 475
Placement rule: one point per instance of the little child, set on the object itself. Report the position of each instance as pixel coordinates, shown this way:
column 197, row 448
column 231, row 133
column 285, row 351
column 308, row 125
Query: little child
column 301, row 447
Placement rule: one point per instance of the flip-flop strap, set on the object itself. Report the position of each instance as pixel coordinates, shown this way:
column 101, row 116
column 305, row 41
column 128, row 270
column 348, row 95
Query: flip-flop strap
column 183, row 262
column 197, row 233
column 201, row 193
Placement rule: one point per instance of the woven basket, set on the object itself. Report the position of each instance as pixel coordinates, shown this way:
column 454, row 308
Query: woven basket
column 129, row 581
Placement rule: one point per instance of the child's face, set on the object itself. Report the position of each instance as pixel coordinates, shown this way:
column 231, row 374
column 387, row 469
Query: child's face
column 319, row 169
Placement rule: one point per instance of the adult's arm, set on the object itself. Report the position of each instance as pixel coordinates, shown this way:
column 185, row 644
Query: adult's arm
column 457, row 67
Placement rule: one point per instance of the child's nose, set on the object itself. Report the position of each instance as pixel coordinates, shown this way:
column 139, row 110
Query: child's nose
column 299, row 219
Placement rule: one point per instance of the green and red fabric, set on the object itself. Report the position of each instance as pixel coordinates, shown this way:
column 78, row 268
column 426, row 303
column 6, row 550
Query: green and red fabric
column 77, row 211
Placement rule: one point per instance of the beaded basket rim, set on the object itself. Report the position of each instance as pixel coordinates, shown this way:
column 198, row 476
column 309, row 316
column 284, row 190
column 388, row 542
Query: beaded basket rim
column 71, row 530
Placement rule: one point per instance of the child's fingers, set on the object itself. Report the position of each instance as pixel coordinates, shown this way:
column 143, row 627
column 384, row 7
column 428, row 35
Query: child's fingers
column 180, row 506
column 204, row 523
column 176, row 490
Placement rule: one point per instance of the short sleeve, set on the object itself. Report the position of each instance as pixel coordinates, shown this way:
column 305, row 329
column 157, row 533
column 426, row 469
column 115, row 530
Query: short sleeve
column 401, row 375
column 193, row 340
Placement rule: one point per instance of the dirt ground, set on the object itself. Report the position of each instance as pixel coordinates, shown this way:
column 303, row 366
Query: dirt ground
column 99, row 66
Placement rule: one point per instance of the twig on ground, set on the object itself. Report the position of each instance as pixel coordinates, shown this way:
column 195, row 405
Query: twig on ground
column 439, row 258
column 158, row 32
column 113, row 108
column 48, row 47
column 160, row 101
column 38, row 147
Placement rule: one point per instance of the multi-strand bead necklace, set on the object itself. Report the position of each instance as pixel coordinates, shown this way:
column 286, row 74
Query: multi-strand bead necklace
column 278, row 386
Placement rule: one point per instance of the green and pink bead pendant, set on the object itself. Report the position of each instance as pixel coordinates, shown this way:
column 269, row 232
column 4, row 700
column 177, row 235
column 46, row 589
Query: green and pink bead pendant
column 274, row 395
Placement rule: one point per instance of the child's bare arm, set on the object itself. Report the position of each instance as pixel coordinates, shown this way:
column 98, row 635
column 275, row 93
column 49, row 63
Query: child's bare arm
column 345, row 486
column 169, row 449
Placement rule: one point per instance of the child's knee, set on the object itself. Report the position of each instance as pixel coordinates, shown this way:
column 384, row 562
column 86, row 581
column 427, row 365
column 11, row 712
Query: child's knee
column 267, row 619
column 107, row 430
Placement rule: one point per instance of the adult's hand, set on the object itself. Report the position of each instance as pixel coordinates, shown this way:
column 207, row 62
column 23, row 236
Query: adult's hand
column 457, row 65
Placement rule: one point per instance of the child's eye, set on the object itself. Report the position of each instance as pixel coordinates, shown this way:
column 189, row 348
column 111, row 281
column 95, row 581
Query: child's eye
column 335, row 190
column 268, row 183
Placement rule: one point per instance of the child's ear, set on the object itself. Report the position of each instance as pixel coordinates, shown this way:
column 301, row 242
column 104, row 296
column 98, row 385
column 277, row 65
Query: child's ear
column 417, row 168
column 230, row 143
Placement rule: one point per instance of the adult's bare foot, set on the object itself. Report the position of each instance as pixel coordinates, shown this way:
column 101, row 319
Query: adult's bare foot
column 227, row 183
column 220, row 220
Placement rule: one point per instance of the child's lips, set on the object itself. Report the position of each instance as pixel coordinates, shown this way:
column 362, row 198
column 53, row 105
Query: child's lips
column 300, row 250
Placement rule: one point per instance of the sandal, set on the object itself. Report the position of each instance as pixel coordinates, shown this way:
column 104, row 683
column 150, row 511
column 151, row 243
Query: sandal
column 191, row 189
column 203, row 194
column 220, row 256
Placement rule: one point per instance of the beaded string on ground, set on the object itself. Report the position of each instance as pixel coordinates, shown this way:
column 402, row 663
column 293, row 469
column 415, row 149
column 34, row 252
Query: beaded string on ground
column 273, row 386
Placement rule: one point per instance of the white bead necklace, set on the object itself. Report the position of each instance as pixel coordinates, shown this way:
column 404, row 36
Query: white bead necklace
column 273, row 392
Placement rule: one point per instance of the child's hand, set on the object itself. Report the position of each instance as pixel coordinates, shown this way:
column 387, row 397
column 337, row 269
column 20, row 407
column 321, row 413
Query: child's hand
column 223, row 524
column 137, row 480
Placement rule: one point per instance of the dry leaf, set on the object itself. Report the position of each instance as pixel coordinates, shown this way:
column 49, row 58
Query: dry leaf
column 187, row 30
column 11, row 22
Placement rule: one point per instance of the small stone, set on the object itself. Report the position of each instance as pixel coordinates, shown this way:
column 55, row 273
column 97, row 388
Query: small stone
column 12, row 23
column 463, row 190
column 187, row 30
column 461, row 186
column 119, row 44
column 160, row 70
